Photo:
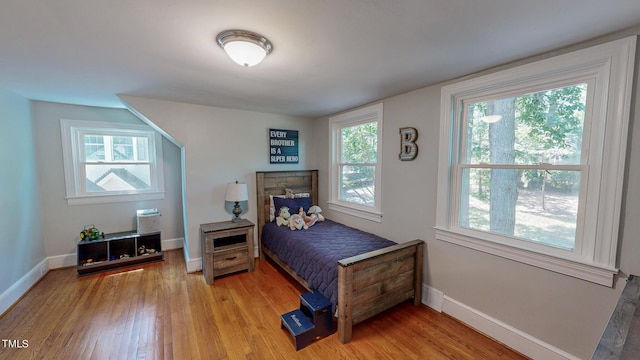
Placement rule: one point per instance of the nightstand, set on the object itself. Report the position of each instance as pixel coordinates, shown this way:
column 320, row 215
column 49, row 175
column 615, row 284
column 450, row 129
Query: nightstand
column 227, row 247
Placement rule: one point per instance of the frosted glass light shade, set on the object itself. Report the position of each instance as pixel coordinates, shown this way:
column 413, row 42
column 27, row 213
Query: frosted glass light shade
column 245, row 48
column 245, row 53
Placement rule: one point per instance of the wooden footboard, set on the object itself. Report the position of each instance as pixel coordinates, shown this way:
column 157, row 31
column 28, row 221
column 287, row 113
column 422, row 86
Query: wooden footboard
column 378, row 280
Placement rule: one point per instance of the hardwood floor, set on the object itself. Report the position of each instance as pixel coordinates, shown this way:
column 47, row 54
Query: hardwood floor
column 158, row 311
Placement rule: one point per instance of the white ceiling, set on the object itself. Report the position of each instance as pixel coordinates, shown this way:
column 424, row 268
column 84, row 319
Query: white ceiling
column 329, row 55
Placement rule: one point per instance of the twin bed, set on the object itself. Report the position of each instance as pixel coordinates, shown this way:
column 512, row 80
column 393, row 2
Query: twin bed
column 360, row 273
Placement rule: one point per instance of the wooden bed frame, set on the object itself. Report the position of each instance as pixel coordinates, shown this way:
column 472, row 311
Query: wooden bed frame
column 368, row 283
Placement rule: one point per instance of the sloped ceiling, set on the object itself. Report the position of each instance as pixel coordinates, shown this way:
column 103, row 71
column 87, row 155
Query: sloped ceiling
column 329, row 55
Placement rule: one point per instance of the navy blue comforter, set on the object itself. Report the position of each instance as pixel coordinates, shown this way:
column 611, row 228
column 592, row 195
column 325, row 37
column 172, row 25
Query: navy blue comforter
column 314, row 253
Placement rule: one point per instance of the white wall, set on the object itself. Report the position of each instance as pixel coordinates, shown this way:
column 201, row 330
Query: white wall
column 62, row 222
column 21, row 230
column 561, row 313
column 221, row 146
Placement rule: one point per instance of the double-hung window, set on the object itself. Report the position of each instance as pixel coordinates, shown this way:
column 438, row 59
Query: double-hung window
column 355, row 166
column 107, row 162
column 532, row 161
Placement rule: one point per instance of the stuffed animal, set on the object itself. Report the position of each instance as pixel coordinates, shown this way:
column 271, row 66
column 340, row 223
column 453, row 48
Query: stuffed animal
column 315, row 212
column 288, row 194
column 283, row 216
column 308, row 220
column 296, row 222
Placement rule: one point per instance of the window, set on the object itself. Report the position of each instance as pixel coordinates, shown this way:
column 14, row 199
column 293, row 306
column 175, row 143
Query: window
column 532, row 161
column 107, row 162
column 520, row 165
column 355, row 163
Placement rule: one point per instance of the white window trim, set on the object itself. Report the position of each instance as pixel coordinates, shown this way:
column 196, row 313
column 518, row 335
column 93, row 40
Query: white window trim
column 367, row 114
column 610, row 66
column 73, row 193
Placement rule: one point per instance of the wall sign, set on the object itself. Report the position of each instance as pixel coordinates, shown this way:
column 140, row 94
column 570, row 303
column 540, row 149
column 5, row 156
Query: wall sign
column 283, row 146
column 408, row 146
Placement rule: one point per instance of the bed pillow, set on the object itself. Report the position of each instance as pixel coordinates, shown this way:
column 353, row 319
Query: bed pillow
column 272, row 207
column 293, row 204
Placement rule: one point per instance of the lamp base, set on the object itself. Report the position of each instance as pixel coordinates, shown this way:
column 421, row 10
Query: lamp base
column 236, row 213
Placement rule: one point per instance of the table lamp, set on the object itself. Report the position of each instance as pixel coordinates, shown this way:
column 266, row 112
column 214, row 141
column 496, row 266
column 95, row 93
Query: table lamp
column 236, row 192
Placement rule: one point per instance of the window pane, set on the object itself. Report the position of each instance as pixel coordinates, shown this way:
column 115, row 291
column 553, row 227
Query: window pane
column 107, row 177
column 357, row 184
column 94, row 148
column 122, row 148
column 542, row 127
column 142, row 148
column 360, row 144
column 543, row 210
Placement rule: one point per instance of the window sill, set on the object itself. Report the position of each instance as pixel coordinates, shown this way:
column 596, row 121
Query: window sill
column 366, row 214
column 105, row 199
column 589, row 272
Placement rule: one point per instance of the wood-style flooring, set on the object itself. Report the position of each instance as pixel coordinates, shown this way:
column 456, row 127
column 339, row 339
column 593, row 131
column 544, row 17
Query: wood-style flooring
column 158, row 311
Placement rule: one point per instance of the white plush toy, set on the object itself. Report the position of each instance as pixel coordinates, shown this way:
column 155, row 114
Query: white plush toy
column 316, row 212
column 296, row 222
column 283, row 216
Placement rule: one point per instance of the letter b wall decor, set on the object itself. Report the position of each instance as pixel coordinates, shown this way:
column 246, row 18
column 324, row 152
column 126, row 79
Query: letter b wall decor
column 408, row 146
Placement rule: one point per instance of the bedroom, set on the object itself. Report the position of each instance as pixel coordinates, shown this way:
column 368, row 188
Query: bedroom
column 492, row 286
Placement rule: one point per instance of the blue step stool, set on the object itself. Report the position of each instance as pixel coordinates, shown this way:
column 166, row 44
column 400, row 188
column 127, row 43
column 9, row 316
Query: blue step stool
column 299, row 326
column 311, row 321
column 318, row 309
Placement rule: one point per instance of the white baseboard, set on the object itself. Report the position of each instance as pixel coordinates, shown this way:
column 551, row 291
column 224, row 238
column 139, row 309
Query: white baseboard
column 61, row 261
column 194, row 265
column 502, row 332
column 20, row 287
column 172, row 244
column 432, row 297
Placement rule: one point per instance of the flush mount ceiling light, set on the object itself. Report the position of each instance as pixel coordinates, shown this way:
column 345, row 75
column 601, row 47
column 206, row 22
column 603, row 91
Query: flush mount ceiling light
column 244, row 47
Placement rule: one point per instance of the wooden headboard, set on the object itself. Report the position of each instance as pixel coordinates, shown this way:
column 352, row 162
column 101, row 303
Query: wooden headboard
column 274, row 183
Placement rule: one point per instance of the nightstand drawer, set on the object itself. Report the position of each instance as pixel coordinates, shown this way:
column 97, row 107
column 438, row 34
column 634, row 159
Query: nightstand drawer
column 225, row 259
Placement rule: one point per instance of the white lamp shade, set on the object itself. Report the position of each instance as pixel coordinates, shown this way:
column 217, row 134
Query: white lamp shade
column 245, row 53
column 236, row 192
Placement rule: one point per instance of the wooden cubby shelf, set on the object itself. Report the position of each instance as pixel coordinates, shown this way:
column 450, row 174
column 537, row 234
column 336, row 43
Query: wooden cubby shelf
column 118, row 250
